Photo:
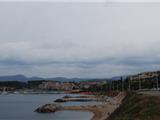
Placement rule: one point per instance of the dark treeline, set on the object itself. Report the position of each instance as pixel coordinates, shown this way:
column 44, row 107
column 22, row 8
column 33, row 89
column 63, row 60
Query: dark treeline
column 13, row 84
column 19, row 84
column 34, row 83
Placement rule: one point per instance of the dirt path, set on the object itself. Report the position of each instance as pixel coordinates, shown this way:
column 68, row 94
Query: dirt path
column 151, row 93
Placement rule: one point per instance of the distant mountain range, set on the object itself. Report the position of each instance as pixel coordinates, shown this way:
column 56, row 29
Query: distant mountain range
column 14, row 78
column 23, row 78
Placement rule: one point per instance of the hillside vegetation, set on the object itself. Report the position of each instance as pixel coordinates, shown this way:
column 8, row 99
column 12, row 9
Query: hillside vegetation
column 138, row 107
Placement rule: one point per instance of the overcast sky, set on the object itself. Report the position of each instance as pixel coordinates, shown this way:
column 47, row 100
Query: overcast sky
column 79, row 39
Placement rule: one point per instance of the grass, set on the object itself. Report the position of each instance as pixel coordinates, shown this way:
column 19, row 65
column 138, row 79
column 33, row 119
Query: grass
column 138, row 107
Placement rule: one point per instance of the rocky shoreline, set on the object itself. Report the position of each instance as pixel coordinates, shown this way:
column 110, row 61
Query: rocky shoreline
column 77, row 99
column 101, row 111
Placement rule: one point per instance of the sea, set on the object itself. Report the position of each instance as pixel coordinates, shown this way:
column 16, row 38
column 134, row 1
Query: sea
column 22, row 106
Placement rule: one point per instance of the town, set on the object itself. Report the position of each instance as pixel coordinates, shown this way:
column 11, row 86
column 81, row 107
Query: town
column 141, row 81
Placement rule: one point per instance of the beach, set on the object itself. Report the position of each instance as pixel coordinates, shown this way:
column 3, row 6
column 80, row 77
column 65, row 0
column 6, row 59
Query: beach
column 100, row 111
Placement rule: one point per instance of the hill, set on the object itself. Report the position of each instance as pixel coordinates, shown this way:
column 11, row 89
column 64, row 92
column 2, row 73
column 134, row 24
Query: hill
column 23, row 78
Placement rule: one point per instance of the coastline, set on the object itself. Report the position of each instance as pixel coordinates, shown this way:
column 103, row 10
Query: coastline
column 12, row 108
column 100, row 112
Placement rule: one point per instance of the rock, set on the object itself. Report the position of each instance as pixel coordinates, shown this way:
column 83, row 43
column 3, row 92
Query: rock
column 48, row 108
column 67, row 96
column 59, row 100
column 94, row 106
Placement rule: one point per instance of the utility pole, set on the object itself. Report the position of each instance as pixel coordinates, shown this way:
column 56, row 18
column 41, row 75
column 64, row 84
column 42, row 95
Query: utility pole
column 122, row 84
column 117, row 85
column 110, row 85
column 157, row 80
column 113, row 85
column 130, row 79
column 139, row 82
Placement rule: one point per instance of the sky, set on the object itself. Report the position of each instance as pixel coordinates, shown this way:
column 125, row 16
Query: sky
column 79, row 39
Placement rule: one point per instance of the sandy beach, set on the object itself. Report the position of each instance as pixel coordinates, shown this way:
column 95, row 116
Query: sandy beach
column 100, row 111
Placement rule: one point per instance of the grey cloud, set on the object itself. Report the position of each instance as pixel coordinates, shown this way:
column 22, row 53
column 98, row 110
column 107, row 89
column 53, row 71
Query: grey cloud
column 78, row 39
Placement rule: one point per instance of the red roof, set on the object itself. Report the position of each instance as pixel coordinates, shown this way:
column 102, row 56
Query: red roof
column 88, row 83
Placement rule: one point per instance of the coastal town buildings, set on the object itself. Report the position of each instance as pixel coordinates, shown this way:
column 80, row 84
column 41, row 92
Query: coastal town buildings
column 86, row 85
column 145, row 80
column 49, row 85
column 55, row 85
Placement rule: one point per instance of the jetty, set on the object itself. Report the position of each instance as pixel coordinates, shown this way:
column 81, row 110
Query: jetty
column 78, row 99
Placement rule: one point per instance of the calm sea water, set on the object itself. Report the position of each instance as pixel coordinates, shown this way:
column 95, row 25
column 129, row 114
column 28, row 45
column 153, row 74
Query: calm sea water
column 21, row 107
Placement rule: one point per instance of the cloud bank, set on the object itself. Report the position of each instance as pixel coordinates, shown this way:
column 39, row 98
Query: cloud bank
column 79, row 39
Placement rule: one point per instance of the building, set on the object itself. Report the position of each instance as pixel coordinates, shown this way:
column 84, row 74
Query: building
column 145, row 80
column 68, row 86
column 50, row 85
column 145, row 76
column 86, row 85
